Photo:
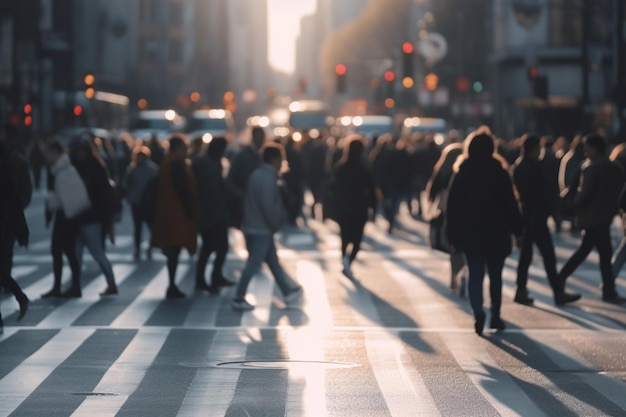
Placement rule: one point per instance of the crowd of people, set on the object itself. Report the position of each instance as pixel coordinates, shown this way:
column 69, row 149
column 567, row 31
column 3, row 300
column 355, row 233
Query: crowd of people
column 479, row 195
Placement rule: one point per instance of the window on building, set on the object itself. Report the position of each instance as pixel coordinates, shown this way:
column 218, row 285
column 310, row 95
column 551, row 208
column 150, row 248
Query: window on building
column 566, row 22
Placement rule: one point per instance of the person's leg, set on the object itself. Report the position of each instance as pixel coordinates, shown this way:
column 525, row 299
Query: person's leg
column 56, row 249
column 494, row 268
column 578, row 257
column 525, row 259
column 203, row 258
column 70, row 245
column 619, row 257
column 91, row 236
column 137, row 226
column 284, row 282
column 476, row 267
column 356, row 238
column 257, row 245
column 172, row 254
column 605, row 250
column 457, row 263
column 546, row 249
column 220, row 239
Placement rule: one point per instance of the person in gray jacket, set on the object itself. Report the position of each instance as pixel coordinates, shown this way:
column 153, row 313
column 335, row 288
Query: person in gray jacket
column 264, row 213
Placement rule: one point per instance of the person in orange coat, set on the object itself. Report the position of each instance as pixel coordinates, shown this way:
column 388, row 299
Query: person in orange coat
column 175, row 224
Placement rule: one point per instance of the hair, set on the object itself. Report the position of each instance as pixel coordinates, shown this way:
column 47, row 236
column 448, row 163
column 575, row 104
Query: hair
column 596, row 142
column 272, row 151
column 530, row 142
column 353, row 148
column 216, row 147
column 481, row 146
column 258, row 136
column 178, row 143
column 55, row 146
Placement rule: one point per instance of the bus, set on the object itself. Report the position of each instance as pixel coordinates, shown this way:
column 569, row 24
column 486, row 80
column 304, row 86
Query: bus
column 105, row 110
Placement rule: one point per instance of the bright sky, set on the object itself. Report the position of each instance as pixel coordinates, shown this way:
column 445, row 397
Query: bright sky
column 283, row 29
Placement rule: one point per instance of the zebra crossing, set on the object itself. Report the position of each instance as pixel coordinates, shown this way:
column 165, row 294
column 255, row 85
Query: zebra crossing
column 395, row 342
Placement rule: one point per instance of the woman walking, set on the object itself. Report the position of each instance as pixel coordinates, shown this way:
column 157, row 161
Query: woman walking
column 482, row 215
column 355, row 196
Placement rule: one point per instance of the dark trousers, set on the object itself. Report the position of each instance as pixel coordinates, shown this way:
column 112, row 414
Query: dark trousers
column 351, row 232
column 598, row 237
column 476, row 265
column 64, row 235
column 539, row 234
column 138, row 221
column 214, row 239
column 6, row 264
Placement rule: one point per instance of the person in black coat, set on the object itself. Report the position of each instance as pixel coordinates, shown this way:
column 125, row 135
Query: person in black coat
column 538, row 201
column 355, row 197
column 482, row 214
column 213, row 218
column 13, row 227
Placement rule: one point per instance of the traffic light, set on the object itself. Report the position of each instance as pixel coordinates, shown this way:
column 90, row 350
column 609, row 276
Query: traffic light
column 407, row 60
column 390, row 77
column 540, row 87
column 533, row 72
column 340, row 71
column 89, row 85
column 78, row 110
column 28, row 114
column 431, row 81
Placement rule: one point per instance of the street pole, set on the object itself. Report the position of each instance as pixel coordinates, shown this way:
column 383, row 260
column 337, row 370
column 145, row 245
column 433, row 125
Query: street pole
column 585, row 100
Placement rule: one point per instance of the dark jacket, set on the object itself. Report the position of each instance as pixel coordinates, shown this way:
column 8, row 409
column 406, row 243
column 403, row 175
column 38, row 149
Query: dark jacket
column 243, row 164
column 211, row 189
column 536, row 196
column 12, row 221
column 597, row 200
column 96, row 177
column 482, row 209
column 355, row 191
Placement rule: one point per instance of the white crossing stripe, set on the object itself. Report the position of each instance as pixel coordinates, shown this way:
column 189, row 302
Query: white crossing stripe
column 260, row 293
column 140, row 310
column 64, row 315
column 125, row 375
column 27, row 376
column 315, row 300
column 213, row 389
column 406, row 394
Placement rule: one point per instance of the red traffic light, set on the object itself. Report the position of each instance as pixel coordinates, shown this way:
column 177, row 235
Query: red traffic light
column 28, row 120
column 533, row 72
column 462, row 84
column 340, row 69
column 78, row 110
column 389, row 76
column 28, row 108
column 408, row 48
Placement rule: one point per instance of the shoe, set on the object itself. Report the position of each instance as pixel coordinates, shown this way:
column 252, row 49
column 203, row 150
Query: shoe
column 211, row 289
column 52, row 294
column 614, row 299
column 479, row 323
column 72, row 293
column 23, row 302
column 521, row 297
column 241, row 305
column 497, row 323
column 174, row 293
column 347, row 271
column 109, row 291
column 565, row 298
column 221, row 282
column 293, row 296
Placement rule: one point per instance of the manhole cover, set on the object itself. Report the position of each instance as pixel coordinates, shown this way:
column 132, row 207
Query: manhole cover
column 271, row 364
column 94, row 394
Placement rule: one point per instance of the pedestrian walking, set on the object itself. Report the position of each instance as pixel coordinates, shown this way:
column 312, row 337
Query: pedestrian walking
column 13, row 227
column 355, row 199
column 569, row 178
column 141, row 171
column 596, row 204
column 243, row 164
column 538, row 200
column 175, row 225
column 618, row 156
column 96, row 222
column 264, row 213
column 437, row 189
column 213, row 216
column 482, row 215
column 66, row 201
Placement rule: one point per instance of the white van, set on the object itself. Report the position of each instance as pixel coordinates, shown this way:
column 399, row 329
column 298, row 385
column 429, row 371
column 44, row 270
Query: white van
column 159, row 122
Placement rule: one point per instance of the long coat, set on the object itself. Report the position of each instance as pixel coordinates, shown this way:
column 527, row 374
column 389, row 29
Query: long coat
column 175, row 223
column 482, row 210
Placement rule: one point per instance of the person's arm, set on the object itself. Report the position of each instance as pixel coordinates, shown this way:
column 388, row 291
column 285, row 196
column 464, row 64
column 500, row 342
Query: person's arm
column 179, row 179
column 586, row 187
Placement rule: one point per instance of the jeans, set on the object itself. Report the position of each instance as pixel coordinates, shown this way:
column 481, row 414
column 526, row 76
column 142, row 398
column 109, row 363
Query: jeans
column 476, row 265
column 600, row 238
column 64, row 238
column 261, row 248
column 90, row 235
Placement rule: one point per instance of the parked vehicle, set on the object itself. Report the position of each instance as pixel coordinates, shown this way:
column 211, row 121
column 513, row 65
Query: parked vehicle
column 159, row 122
